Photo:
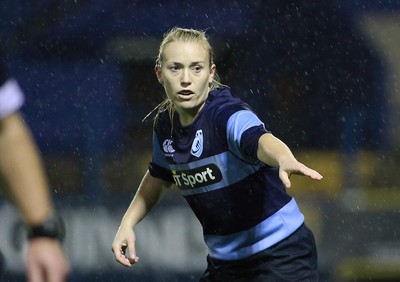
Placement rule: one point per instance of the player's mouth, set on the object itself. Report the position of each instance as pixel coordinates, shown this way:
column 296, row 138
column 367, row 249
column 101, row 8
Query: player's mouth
column 185, row 94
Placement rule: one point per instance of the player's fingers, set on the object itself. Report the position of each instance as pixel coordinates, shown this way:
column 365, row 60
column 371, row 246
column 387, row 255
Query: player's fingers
column 316, row 175
column 132, row 252
column 121, row 258
column 311, row 173
column 306, row 171
column 119, row 254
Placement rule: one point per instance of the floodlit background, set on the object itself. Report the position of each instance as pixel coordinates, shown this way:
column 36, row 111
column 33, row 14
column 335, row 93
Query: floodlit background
column 322, row 74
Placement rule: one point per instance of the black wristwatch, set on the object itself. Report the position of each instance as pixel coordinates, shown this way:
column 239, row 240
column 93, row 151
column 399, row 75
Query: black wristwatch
column 52, row 227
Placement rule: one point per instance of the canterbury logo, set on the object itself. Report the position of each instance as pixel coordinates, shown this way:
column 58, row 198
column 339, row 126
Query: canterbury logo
column 198, row 177
column 167, row 147
column 197, row 146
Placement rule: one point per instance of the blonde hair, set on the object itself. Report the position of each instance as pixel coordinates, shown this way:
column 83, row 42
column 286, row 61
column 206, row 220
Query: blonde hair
column 183, row 35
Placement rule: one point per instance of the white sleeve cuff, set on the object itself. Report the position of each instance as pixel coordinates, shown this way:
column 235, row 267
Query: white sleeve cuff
column 11, row 98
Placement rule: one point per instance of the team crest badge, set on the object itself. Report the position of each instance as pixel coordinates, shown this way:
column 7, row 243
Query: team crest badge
column 197, row 146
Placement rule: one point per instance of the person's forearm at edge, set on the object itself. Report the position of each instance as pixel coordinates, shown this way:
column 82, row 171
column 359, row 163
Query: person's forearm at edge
column 23, row 170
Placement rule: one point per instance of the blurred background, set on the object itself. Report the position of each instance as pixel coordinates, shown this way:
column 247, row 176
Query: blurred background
column 322, row 75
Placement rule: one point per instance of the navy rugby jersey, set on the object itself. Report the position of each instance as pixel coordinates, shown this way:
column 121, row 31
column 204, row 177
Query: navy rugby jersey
column 240, row 202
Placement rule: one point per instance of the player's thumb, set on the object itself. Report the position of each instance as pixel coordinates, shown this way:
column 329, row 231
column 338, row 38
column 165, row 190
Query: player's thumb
column 284, row 176
column 131, row 250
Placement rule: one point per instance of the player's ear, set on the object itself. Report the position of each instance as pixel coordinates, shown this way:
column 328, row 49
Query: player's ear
column 157, row 70
column 212, row 73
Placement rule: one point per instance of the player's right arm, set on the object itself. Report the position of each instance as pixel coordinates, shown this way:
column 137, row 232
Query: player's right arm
column 151, row 190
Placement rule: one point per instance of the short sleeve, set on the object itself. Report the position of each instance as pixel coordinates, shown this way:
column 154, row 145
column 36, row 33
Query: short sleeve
column 244, row 129
column 160, row 172
column 159, row 166
column 11, row 98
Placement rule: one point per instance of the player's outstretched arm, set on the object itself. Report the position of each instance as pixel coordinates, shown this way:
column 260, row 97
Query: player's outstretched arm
column 274, row 152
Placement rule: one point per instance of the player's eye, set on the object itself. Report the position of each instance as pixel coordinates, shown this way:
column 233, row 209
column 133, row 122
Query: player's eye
column 197, row 69
column 174, row 68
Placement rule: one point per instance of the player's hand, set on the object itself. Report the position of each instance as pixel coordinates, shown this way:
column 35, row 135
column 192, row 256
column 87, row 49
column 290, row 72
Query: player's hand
column 123, row 246
column 45, row 261
column 286, row 169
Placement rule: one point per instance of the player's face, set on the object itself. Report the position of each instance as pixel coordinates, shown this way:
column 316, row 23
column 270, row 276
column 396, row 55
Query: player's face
column 186, row 75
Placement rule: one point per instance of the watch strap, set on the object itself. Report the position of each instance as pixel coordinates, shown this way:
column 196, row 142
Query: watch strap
column 52, row 227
